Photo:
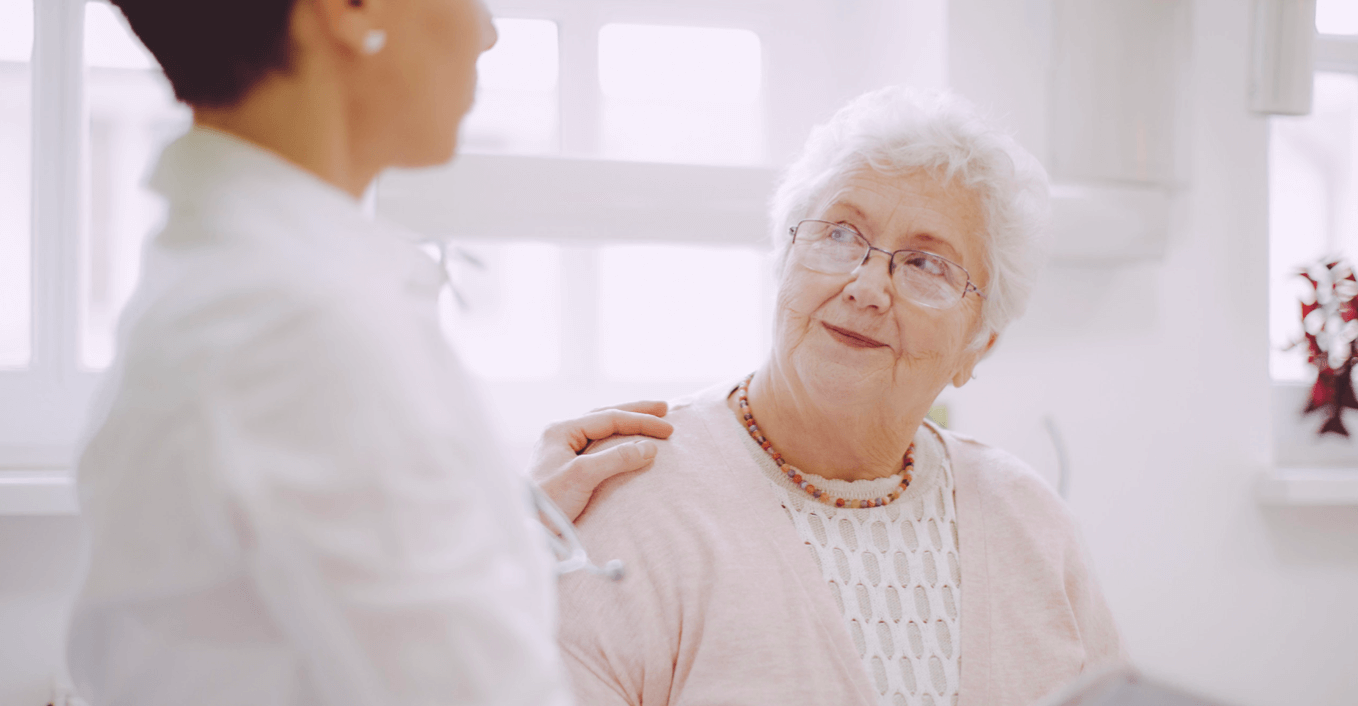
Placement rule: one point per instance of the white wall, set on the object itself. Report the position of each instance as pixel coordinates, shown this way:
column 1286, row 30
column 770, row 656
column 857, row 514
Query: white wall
column 38, row 557
column 1157, row 374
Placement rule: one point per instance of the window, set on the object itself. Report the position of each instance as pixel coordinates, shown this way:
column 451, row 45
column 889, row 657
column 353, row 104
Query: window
column 556, row 319
column 1313, row 213
column 680, row 94
column 502, row 310
column 132, row 114
column 1336, row 17
column 517, row 106
column 16, row 47
column 681, row 312
column 1313, row 183
column 1313, row 204
column 562, row 302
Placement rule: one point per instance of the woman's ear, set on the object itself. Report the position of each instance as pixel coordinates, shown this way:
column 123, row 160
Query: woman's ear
column 970, row 358
column 348, row 23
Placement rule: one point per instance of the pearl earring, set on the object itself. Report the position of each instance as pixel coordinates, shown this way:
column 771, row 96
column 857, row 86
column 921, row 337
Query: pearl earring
column 374, row 41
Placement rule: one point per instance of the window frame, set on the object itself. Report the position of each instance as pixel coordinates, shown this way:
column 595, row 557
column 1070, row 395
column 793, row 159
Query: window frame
column 1309, row 470
column 35, row 430
column 43, row 406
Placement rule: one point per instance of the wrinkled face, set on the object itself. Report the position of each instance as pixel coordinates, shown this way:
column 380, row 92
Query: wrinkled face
column 427, row 75
column 853, row 335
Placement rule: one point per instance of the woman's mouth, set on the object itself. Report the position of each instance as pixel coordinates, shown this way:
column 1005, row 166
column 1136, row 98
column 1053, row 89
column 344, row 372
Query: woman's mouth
column 849, row 338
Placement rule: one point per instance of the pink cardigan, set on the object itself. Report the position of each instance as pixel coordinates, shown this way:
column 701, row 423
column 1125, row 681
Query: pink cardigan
column 722, row 603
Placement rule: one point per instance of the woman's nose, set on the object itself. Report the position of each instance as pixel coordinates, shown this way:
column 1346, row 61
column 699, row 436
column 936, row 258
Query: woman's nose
column 488, row 32
column 871, row 284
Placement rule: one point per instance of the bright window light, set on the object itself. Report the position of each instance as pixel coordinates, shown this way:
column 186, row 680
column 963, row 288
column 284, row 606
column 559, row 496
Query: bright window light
column 110, row 44
column 502, row 311
column 516, row 108
column 16, row 30
column 681, row 94
column 1313, row 205
column 132, row 115
column 16, row 46
column 677, row 312
column 524, row 58
column 679, row 64
column 1337, row 16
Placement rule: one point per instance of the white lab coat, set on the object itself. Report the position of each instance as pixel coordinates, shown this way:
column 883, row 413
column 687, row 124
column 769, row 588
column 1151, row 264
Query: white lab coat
column 290, row 493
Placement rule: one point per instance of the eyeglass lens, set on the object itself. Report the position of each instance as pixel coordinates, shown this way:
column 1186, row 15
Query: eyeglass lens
column 922, row 277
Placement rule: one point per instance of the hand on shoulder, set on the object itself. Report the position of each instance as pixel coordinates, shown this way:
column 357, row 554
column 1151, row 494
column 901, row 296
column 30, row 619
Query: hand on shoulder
column 569, row 476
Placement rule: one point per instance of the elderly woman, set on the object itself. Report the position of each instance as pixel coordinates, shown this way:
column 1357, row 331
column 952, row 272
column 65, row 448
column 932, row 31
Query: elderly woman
column 806, row 536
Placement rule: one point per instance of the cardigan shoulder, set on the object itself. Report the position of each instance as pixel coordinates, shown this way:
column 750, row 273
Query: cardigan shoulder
column 1012, row 493
column 721, row 602
column 1046, row 619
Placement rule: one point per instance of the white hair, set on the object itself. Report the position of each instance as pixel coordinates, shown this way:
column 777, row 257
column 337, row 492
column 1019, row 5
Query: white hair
column 898, row 130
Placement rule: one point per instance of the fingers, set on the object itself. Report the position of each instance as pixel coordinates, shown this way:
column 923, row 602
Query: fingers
column 618, row 422
column 578, row 433
column 651, row 407
column 631, row 456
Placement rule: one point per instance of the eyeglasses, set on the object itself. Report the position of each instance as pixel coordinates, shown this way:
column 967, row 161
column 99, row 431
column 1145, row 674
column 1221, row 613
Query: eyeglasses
column 921, row 277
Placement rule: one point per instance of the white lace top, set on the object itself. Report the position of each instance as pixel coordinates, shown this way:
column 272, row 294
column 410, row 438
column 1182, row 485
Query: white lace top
column 894, row 571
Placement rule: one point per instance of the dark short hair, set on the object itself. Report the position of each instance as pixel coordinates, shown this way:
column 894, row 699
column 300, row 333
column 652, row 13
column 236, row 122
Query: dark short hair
column 213, row 51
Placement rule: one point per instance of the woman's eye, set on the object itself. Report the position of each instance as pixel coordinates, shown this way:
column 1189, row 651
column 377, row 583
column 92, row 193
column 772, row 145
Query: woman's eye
column 842, row 235
column 926, row 265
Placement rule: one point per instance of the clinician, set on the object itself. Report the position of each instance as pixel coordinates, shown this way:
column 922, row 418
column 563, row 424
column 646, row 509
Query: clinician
column 289, row 491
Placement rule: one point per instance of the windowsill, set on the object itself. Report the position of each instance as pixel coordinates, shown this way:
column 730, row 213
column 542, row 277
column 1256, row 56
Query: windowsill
column 1308, row 486
column 37, row 493
column 1308, row 469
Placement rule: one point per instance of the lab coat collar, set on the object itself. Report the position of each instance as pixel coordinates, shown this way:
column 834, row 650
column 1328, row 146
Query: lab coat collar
column 228, row 179
column 207, row 164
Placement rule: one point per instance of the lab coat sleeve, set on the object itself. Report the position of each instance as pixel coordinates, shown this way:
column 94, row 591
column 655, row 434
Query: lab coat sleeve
column 387, row 547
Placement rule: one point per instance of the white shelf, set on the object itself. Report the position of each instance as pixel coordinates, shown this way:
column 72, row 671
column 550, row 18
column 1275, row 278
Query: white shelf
column 37, row 493
column 1308, row 486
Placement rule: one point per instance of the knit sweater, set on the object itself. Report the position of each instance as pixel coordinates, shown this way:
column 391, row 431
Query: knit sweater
column 723, row 604
column 893, row 570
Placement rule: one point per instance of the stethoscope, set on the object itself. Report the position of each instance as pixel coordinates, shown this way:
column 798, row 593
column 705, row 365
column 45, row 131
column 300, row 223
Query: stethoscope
column 565, row 543
column 560, row 532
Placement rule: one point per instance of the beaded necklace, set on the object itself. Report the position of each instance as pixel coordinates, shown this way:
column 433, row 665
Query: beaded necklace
column 906, row 473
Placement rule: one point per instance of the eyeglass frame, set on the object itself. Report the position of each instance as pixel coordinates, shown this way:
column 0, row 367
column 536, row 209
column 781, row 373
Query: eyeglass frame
column 891, row 259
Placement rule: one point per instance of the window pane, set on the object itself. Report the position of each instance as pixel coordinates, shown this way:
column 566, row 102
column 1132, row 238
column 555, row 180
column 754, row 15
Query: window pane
column 674, row 312
column 516, row 108
column 1337, row 16
column 502, row 310
column 1313, row 205
column 16, row 46
column 132, row 114
column 681, row 94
